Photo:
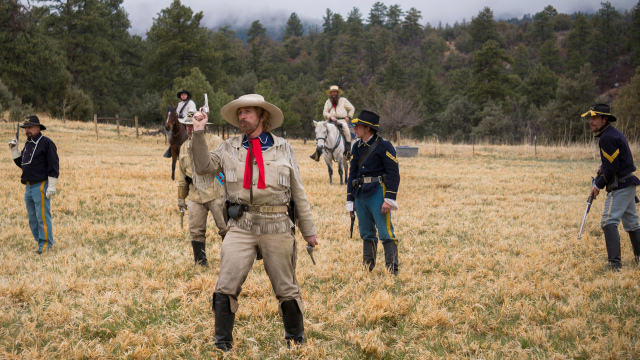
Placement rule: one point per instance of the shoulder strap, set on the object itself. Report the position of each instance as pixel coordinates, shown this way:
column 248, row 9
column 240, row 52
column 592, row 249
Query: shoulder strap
column 369, row 151
column 182, row 108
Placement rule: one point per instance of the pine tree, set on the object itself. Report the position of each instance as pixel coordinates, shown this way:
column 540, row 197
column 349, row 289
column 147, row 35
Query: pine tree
column 491, row 80
column 293, row 28
column 578, row 44
column 540, row 86
column 483, row 29
column 377, row 15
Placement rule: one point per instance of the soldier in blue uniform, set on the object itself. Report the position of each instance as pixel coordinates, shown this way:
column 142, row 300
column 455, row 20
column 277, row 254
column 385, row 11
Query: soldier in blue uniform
column 40, row 169
column 616, row 176
column 372, row 189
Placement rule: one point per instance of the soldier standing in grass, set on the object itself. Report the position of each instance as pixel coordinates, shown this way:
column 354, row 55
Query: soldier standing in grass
column 201, row 201
column 616, row 176
column 372, row 187
column 338, row 110
column 261, row 179
column 40, row 169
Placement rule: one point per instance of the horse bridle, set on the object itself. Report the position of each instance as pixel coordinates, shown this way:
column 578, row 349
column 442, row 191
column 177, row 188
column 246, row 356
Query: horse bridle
column 326, row 134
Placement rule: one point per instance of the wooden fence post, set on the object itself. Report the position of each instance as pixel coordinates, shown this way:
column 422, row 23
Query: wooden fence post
column 95, row 121
column 118, row 124
column 136, row 119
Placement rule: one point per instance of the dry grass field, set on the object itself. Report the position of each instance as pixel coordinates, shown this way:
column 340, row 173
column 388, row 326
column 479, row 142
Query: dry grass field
column 490, row 263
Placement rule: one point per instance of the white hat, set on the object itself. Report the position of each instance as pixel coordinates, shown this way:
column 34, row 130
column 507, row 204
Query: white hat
column 229, row 112
column 188, row 120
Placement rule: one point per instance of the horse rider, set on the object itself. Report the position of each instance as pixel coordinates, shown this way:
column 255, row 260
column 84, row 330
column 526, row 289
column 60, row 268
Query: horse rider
column 338, row 110
column 372, row 187
column 40, row 170
column 201, row 200
column 615, row 174
column 186, row 105
column 262, row 178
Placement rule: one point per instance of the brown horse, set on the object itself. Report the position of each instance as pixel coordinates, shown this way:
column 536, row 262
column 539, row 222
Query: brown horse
column 177, row 136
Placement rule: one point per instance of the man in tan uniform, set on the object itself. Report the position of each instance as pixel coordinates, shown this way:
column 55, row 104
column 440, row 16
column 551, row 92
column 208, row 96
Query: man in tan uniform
column 338, row 110
column 201, row 201
column 262, row 178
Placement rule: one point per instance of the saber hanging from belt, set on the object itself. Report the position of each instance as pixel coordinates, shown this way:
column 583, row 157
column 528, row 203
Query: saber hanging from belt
column 584, row 218
column 353, row 219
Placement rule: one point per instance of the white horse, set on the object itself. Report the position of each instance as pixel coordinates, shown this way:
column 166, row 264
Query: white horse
column 329, row 140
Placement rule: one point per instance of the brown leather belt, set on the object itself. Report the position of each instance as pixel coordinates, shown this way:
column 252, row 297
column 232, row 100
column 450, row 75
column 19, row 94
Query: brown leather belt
column 33, row 182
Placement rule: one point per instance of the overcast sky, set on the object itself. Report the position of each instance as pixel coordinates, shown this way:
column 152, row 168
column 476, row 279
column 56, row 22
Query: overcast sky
column 243, row 12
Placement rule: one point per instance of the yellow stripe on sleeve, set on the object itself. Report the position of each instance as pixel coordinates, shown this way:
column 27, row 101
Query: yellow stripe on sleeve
column 610, row 157
column 391, row 157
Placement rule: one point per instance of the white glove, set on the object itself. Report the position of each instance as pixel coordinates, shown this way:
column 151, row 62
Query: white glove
column 349, row 206
column 15, row 152
column 51, row 188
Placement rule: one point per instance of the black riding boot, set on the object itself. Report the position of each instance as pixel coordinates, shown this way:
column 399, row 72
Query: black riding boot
column 199, row 253
column 224, row 319
column 612, row 239
column 316, row 155
column 347, row 149
column 391, row 256
column 635, row 243
column 369, row 251
column 293, row 322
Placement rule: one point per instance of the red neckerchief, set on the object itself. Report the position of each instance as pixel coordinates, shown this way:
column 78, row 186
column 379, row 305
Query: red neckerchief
column 255, row 150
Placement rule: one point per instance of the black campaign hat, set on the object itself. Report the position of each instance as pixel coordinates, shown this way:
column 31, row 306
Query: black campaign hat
column 600, row 109
column 368, row 118
column 32, row 120
column 184, row 92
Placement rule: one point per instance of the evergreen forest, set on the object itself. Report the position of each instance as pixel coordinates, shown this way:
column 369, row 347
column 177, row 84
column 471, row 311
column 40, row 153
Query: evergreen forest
column 504, row 81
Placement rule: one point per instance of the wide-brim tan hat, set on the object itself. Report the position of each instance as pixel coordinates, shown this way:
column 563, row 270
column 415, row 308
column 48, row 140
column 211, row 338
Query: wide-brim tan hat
column 229, row 112
column 334, row 88
column 188, row 120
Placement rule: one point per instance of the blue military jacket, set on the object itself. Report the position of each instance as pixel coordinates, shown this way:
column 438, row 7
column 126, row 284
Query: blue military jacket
column 39, row 160
column 616, row 158
column 382, row 161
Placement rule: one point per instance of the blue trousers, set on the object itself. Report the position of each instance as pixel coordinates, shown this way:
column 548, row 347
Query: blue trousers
column 620, row 205
column 370, row 218
column 39, row 211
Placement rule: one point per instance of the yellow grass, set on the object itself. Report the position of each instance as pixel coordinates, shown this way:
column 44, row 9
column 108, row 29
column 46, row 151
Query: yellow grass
column 490, row 263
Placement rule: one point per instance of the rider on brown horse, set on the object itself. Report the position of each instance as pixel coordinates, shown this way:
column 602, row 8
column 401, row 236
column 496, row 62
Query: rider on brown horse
column 185, row 105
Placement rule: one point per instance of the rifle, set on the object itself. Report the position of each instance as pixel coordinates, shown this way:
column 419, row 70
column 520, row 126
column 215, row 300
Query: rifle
column 169, row 98
column 353, row 219
column 589, row 201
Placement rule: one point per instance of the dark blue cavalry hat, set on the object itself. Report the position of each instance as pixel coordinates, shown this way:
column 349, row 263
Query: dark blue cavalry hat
column 32, row 120
column 368, row 118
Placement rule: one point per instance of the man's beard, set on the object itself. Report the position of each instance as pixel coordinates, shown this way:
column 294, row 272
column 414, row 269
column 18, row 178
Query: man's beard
column 334, row 99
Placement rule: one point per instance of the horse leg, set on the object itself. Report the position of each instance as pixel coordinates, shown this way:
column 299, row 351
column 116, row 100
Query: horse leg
column 340, row 171
column 330, row 173
column 174, row 158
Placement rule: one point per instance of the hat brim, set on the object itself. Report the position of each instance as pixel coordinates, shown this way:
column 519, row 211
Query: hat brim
column 366, row 123
column 42, row 127
column 190, row 122
column 184, row 92
column 590, row 113
column 229, row 112
column 329, row 92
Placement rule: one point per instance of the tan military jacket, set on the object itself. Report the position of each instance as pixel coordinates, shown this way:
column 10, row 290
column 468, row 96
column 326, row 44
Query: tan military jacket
column 342, row 110
column 282, row 178
column 184, row 169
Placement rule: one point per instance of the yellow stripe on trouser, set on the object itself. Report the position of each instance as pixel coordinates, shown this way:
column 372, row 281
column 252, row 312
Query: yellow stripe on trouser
column 44, row 218
column 388, row 215
column 610, row 204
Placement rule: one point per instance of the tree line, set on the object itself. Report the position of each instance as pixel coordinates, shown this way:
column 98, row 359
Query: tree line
column 503, row 81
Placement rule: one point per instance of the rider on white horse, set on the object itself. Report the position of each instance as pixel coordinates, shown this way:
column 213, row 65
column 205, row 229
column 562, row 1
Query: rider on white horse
column 338, row 110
